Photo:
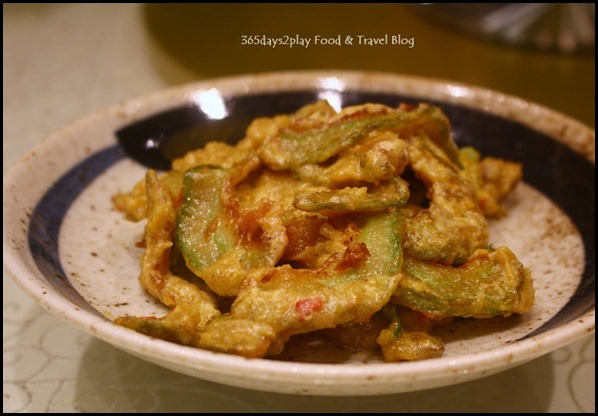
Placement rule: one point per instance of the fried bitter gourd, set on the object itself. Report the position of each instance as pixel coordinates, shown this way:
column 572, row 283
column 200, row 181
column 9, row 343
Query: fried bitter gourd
column 191, row 307
column 220, row 243
column 395, row 193
column 313, row 223
column 351, row 287
column 300, row 144
column 490, row 283
column 453, row 226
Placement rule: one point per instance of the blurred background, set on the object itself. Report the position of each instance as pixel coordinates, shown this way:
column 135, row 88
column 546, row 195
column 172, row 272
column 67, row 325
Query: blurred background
column 65, row 61
column 532, row 52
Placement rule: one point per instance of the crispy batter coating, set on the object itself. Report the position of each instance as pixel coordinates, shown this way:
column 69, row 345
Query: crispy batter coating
column 379, row 156
column 489, row 283
column 354, row 284
column 220, row 243
column 493, row 179
column 192, row 308
column 367, row 226
column 453, row 226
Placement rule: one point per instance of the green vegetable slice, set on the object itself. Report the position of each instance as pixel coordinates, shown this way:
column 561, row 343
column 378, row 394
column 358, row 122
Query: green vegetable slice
column 395, row 193
column 291, row 149
column 490, row 283
column 220, row 243
column 286, row 301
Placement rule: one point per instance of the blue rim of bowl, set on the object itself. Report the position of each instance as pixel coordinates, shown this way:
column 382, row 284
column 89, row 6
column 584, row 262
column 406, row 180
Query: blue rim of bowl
column 563, row 175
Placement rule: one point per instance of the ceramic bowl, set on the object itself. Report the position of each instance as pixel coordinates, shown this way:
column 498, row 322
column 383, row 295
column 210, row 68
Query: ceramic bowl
column 75, row 255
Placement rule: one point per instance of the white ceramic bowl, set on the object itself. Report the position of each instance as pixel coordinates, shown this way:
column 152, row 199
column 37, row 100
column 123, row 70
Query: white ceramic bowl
column 71, row 252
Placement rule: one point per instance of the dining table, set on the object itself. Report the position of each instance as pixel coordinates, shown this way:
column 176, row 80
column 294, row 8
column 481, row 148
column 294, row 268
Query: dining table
column 62, row 62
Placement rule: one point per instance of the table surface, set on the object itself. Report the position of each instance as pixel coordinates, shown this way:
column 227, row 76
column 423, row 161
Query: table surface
column 64, row 61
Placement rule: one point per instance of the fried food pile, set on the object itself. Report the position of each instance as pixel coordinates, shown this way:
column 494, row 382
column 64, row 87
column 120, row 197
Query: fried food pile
column 367, row 219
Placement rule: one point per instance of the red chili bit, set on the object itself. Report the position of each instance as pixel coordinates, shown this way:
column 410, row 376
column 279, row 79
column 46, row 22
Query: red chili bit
column 306, row 307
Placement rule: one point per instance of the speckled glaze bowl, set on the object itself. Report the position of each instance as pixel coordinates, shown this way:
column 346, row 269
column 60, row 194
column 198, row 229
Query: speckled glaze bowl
column 70, row 251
